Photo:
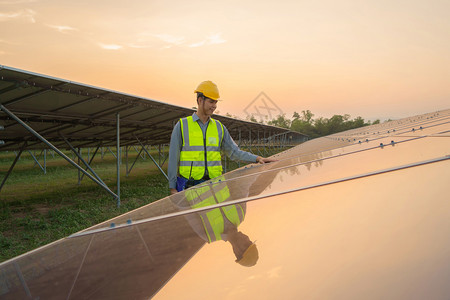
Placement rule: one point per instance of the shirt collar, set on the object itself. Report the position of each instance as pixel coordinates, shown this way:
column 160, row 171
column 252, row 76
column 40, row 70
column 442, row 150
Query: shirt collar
column 195, row 118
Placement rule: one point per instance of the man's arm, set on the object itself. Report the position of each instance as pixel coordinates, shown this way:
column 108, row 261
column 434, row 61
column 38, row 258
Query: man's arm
column 233, row 152
column 174, row 157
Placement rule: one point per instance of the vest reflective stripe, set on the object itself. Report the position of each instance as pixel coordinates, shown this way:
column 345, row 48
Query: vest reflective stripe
column 192, row 156
column 213, row 220
column 199, row 163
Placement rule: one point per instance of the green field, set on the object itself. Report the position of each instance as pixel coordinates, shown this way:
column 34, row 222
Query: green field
column 37, row 209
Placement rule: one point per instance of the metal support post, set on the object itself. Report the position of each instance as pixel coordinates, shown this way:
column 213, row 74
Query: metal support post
column 250, row 137
column 36, row 162
column 38, row 157
column 90, row 162
column 128, row 171
column 140, row 152
column 264, row 143
column 159, row 154
column 239, row 161
column 112, row 152
column 118, row 159
column 13, row 164
column 80, row 157
column 151, row 157
column 126, row 161
column 79, row 163
column 32, row 131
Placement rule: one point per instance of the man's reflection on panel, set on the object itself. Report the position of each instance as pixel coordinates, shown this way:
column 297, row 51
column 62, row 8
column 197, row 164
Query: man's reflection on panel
column 219, row 223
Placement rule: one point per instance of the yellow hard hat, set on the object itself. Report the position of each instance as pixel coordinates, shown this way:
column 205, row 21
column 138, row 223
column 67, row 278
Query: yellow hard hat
column 209, row 89
column 250, row 256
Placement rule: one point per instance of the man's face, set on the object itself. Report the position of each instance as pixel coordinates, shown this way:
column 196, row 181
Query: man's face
column 208, row 105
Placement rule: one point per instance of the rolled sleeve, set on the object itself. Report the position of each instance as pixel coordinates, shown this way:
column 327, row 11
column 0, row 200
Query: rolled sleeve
column 232, row 150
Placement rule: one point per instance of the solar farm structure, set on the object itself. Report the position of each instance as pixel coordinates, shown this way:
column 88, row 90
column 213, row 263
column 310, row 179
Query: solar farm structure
column 363, row 214
column 39, row 112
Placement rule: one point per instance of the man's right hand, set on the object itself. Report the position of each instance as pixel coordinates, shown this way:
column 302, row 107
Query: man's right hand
column 173, row 191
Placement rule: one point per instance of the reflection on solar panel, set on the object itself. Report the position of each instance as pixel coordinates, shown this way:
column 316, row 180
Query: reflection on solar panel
column 362, row 214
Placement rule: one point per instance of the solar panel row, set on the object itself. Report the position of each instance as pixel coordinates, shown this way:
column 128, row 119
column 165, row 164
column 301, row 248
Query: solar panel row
column 86, row 115
column 362, row 214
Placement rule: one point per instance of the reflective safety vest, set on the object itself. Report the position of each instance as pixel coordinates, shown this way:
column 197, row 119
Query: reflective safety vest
column 214, row 220
column 199, row 152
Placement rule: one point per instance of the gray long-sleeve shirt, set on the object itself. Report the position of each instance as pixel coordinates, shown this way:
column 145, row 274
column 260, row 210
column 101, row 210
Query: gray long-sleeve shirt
column 228, row 146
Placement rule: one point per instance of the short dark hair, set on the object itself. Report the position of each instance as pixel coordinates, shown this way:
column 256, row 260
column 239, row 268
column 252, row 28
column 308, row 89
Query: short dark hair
column 200, row 94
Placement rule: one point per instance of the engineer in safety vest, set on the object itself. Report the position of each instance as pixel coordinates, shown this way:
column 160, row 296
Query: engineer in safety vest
column 197, row 141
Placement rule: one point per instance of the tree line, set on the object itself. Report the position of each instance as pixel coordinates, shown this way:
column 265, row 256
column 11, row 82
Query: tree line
column 305, row 123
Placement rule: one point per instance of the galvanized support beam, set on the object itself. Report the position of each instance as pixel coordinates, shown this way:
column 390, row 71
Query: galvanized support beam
column 2, row 142
column 250, row 138
column 32, row 131
column 79, row 163
column 90, row 159
column 80, row 158
column 140, row 152
column 159, row 154
column 118, row 158
column 112, row 152
column 239, row 162
column 128, row 171
column 36, row 161
column 13, row 164
column 164, row 161
column 151, row 157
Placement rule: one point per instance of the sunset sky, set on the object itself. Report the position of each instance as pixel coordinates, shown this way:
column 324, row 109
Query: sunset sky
column 375, row 59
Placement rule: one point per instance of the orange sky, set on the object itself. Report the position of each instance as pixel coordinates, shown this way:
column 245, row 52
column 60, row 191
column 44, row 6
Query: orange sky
column 375, row 59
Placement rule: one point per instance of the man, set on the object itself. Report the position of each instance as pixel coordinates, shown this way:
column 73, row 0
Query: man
column 196, row 143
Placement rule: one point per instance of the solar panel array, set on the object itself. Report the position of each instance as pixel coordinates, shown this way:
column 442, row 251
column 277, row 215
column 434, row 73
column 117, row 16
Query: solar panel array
column 87, row 115
column 363, row 214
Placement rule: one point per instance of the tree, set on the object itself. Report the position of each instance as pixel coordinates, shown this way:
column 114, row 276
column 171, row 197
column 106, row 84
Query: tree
column 303, row 123
column 280, row 121
column 253, row 119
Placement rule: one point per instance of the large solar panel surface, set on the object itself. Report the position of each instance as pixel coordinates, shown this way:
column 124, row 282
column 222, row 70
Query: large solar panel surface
column 363, row 214
column 86, row 116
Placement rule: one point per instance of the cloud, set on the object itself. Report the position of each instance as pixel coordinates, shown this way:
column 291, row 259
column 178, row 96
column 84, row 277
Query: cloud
column 215, row 39
column 170, row 39
column 199, row 44
column 210, row 40
column 162, row 41
column 110, row 46
column 26, row 14
column 62, row 28
column 167, row 41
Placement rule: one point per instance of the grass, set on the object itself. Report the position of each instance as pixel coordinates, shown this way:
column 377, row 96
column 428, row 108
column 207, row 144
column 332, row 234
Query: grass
column 37, row 209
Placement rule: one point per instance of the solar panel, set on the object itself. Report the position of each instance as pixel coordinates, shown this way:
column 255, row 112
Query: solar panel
column 362, row 214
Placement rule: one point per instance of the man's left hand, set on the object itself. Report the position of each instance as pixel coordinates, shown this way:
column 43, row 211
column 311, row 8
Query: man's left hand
column 264, row 160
